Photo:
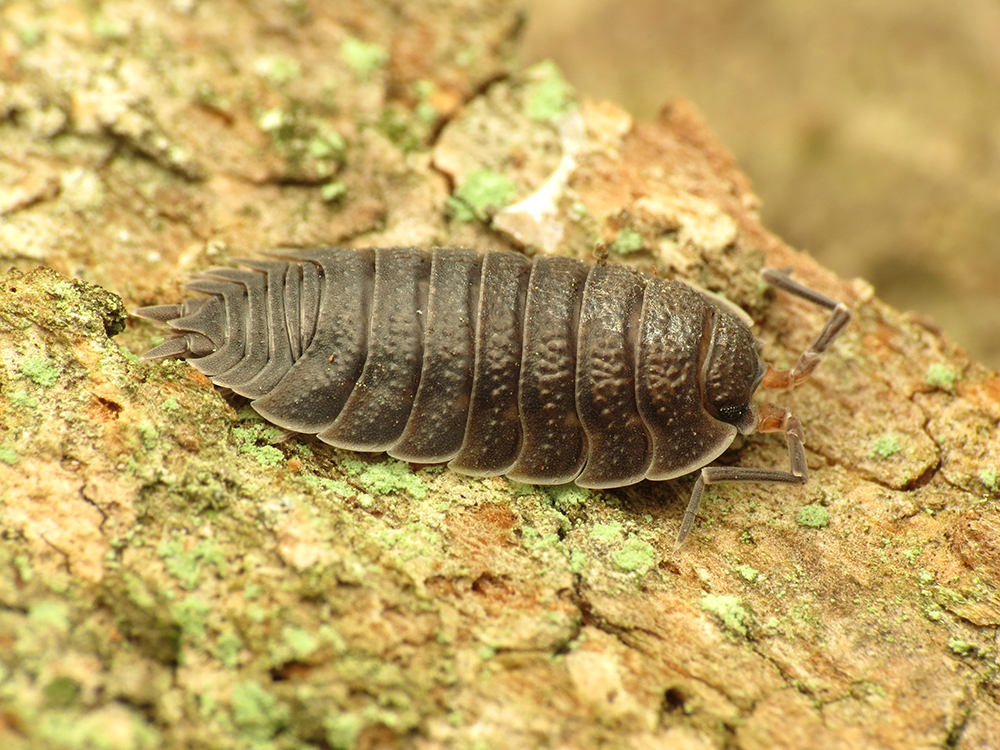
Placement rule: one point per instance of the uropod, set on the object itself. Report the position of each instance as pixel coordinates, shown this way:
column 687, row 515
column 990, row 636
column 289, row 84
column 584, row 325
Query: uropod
column 547, row 371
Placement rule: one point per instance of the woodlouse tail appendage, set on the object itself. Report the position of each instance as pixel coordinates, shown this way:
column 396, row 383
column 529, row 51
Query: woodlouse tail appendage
column 774, row 418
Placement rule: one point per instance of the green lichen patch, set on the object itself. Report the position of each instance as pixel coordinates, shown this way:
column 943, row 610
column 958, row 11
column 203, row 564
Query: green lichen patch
column 932, row 611
column 482, row 192
column 734, row 616
column 886, row 446
column 425, row 110
column 813, row 517
column 50, row 613
column 989, row 478
column 941, row 376
column 29, row 33
column 577, row 561
column 458, row 211
column 148, row 435
column 541, row 541
column 747, row 573
column 412, row 541
column 342, row 730
column 191, row 615
column 403, row 127
column 363, row 58
column 327, row 144
column 250, row 437
column 171, row 404
column 8, row 454
column 520, row 489
column 257, row 714
column 385, row 478
column 336, row 486
column 22, row 399
column 111, row 726
column 547, row 95
column 636, row 556
column 227, row 648
column 187, row 566
column 628, row 241
column 626, row 551
column 265, row 455
column 567, row 497
column 40, row 371
column 607, row 532
column 962, row 647
column 333, row 192
column 251, row 591
column 312, row 149
column 256, row 427
column 24, row 568
column 301, row 642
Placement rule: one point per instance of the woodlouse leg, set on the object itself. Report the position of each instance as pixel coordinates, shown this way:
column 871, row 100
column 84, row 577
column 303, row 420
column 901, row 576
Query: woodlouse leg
column 772, row 418
column 810, row 359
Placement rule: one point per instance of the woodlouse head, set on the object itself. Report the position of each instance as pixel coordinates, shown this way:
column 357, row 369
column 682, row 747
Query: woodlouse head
column 731, row 373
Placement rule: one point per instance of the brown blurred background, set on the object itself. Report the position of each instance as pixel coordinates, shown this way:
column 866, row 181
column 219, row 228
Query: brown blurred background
column 871, row 130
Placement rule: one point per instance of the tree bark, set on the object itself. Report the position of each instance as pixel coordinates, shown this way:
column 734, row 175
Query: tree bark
column 174, row 574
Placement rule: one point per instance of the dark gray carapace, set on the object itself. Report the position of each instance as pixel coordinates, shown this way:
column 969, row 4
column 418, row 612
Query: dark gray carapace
column 547, row 370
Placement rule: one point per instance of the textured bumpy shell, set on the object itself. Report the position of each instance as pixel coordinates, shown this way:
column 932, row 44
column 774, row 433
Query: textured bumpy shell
column 548, row 371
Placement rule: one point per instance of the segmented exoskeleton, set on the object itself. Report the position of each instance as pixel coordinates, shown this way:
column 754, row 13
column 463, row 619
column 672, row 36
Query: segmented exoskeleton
column 547, row 370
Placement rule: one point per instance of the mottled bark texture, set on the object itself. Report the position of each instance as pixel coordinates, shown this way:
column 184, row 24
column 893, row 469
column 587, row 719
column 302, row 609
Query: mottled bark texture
column 173, row 574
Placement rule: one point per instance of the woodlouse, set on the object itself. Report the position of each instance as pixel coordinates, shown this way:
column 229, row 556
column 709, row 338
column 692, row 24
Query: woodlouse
column 547, row 370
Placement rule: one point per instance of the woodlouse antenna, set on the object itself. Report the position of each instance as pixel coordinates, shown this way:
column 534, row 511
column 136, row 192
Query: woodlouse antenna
column 774, row 418
column 811, row 357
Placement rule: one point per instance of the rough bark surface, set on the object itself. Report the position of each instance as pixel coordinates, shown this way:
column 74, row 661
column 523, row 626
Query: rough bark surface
column 174, row 575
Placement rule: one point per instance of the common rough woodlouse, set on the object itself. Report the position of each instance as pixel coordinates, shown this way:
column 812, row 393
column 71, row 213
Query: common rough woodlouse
column 547, row 370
